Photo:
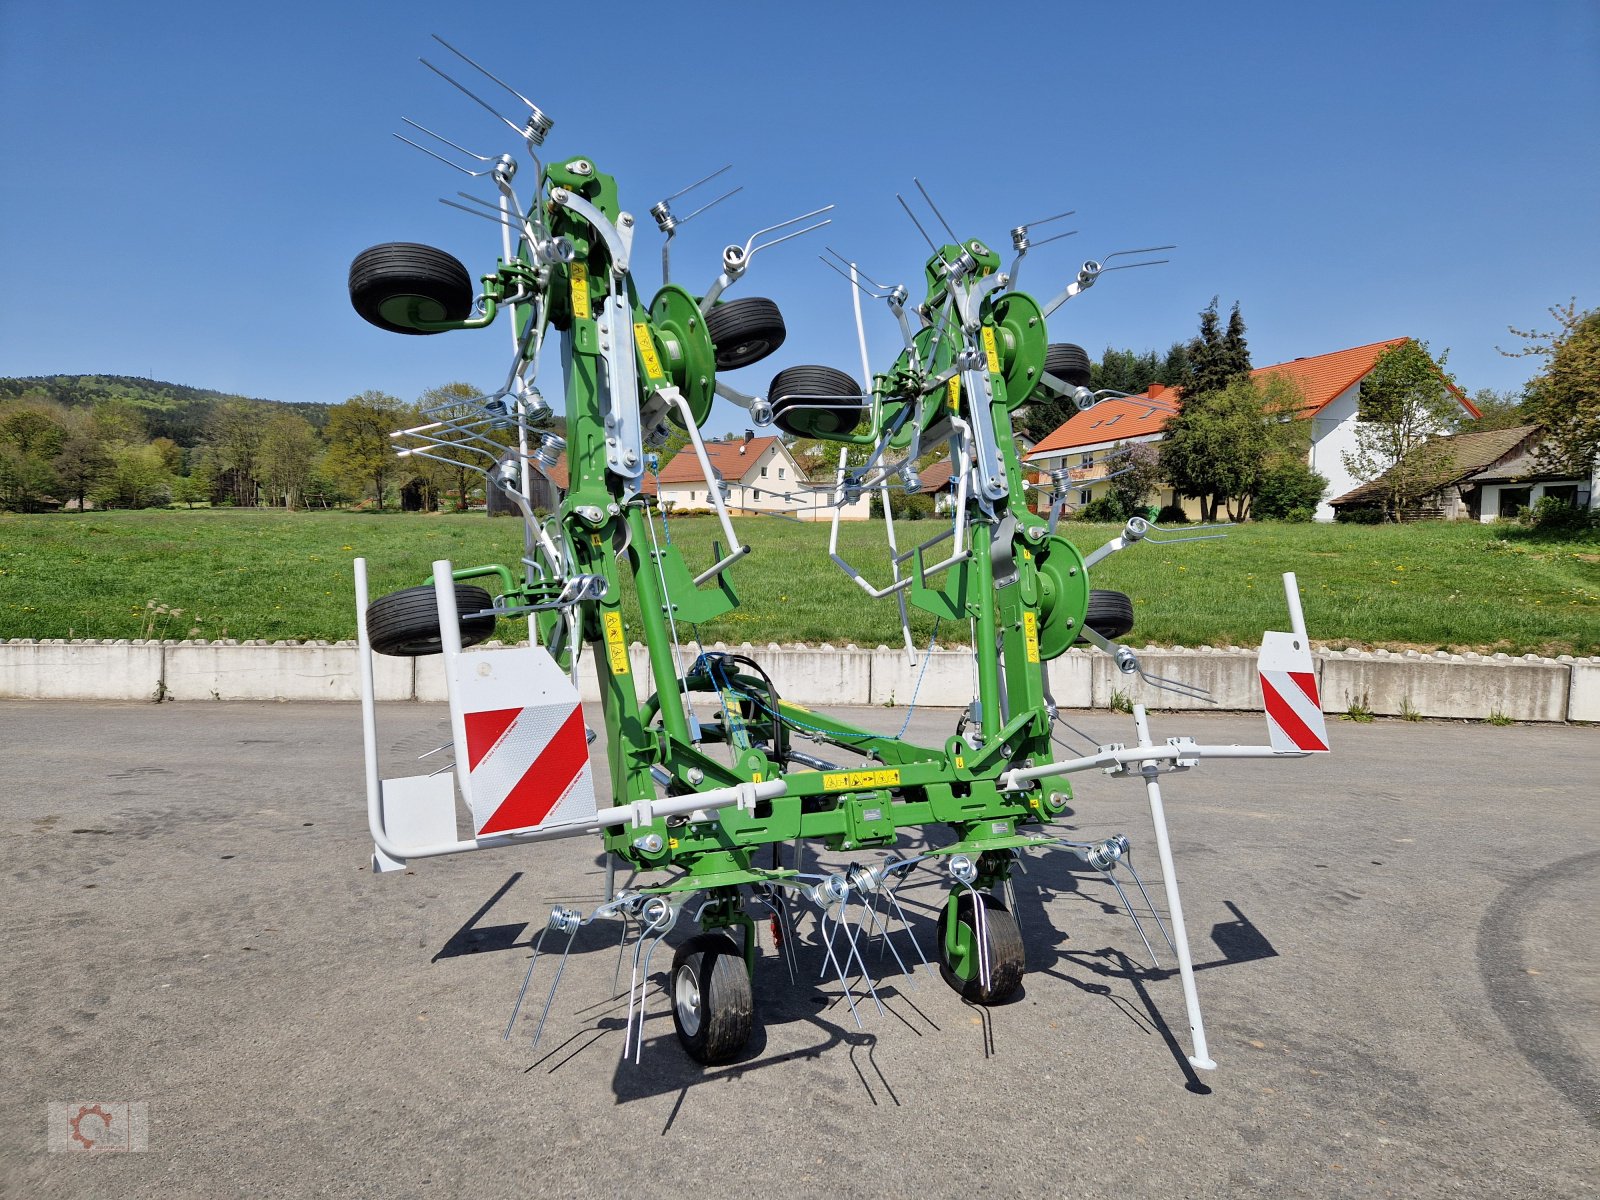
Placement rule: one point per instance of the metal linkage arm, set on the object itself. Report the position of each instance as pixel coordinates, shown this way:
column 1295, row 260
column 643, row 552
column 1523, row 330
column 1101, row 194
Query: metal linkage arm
column 736, row 551
column 736, row 259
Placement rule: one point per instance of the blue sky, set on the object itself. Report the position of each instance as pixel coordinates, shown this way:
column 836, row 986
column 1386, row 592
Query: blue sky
column 185, row 185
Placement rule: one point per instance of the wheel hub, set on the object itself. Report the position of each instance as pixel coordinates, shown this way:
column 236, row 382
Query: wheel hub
column 686, row 998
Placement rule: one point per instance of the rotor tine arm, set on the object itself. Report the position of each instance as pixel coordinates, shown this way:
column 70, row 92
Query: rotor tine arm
column 526, row 979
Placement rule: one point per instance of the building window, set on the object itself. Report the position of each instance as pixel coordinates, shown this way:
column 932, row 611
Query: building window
column 1083, row 495
column 780, row 472
column 1514, row 500
column 763, row 472
column 757, row 493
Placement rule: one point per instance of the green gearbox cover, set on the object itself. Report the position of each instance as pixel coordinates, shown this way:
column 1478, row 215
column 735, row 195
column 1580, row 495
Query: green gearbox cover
column 1022, row 341
column 1063, row 595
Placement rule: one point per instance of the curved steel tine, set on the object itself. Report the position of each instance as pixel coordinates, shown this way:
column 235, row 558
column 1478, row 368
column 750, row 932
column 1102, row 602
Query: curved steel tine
column 554, row 984
column 644, row 986
column 855, row 950
column 828, row 957
column 622, row 946
column 900, row 912
column 1112, row 879
column 889, row 942
column 985, row 977
column 526, row 979
column 1011, row 902
column 1154, row 915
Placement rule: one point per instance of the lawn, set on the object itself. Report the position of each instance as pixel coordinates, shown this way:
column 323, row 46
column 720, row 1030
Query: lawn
column 275, row 575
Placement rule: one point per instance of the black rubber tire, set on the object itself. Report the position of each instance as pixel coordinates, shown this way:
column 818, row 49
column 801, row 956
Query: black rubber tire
column 712, row 1005
column 795, row 386
column 405, row 624
column 1110, row 614
column 745, row 331
column 1068, row 362
column 1007, row 958
column 398, row 270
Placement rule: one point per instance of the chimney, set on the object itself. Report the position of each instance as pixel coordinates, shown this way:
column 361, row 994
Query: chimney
column 749, row 436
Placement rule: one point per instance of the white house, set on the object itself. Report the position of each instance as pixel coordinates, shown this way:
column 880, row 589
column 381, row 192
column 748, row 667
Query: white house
column 1330, row 387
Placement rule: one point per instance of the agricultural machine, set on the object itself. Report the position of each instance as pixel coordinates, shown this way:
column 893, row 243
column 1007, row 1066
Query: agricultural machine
column 719, row 784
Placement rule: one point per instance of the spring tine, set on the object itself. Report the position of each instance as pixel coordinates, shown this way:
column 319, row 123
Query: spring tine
column 788, row 936
column 980, row 927
column 900, row 912
column 1011, row 902
column 1155, row 916
column 889, row 942
column 554, row 984
column 484, row 70
column 526, row 979
column 644, row 996
column 827, row 949
column 935, row 208
column 855, row 952
column 622, row 946
column 633, row 988
column 1112, row 879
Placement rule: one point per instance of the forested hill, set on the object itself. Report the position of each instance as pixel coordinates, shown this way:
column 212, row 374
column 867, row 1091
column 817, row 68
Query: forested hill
column 169, row 410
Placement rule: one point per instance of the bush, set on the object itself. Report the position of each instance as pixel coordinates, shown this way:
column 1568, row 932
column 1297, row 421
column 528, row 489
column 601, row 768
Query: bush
column 1372, row 514
column 1558, row 518
column 1289, row 491
column 1172, row 514
column 916, row 507
column 1109, row 509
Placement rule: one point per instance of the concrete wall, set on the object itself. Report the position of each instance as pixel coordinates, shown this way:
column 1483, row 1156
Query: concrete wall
column 1461, row 686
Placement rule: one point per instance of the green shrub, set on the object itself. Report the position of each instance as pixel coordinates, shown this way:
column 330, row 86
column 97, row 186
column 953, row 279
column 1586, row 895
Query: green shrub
column 1172, row 514
column 1364, row 515
column 915, row 507
column 1106, row 510
column 1558, row 518
column 1289, row 491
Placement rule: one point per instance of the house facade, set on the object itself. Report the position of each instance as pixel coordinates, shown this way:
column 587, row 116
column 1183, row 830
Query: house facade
column 1330, row 390
column 1493, row 475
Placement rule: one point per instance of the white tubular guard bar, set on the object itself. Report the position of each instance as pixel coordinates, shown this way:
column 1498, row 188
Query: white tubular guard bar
column 1014, row 781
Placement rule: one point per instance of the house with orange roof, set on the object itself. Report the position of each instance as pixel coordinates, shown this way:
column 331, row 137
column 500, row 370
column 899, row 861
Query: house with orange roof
column 759, row 473
column 1330, row 388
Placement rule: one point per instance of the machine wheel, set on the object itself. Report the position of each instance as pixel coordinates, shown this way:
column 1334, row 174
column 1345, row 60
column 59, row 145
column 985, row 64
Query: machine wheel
column 1068, row 362
column 399, row 282
column 405, row 624
column 745, row 331
column 711, row 1000
column 1007, row 959
column 796, row 387
column 1110, row 613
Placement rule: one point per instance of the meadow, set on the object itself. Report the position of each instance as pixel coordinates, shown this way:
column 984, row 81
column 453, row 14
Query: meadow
column 275, row 575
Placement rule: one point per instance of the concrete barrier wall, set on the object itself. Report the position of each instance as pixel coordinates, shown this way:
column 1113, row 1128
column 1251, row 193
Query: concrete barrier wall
column 1463, row 686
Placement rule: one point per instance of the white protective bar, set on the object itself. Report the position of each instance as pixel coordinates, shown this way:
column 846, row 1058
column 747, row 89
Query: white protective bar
column 444, row 591
column 1201, row 1058
column 735, row 550
column 1013, row 781
column 1297, row 616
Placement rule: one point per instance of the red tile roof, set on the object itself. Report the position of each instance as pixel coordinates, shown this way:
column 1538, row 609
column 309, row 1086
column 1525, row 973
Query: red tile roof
column 1113, row 420
column 1321, row 378
column 726, row 459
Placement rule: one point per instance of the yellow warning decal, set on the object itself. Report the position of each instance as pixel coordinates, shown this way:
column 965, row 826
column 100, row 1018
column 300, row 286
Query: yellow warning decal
column 954, row 390
column 580, row 290
column 960, row 762
column 1030, row 635
column 989, row 350
column 855, row 781
column 647, row 349
column 616, row 648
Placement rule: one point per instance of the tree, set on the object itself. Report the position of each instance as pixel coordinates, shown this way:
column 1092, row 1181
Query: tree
column 287, row 456
column 232, row 446
column 359, row 447
column 1125, row 371
column 1289, row 490
column 137, row 478
column 1216, row 357
column 456, row 401
column 1140, row 474
column 1501, row 410
column 1565, row 396
column 1218, row 451
column 1406, row 402
column 81, row 463
column 31, row 433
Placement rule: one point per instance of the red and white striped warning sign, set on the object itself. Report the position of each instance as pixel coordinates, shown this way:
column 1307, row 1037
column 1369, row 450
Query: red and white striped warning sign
column 522, row 763
column 1289, row 690
column 521, row 736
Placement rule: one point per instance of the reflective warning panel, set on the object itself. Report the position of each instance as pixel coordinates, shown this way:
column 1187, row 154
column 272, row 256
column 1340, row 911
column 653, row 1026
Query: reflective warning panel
column 1289, row 691
column 521, row 737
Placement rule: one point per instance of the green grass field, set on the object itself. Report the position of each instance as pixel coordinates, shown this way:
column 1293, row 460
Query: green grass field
column 276, row 575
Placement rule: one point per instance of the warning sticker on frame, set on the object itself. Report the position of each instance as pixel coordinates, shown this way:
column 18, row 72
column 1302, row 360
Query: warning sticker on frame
column 857, row 781
column 616, row 647
column 647, row 349
column 580, row 290
column 955, row 393
column 989, row 350
column 1030, row 635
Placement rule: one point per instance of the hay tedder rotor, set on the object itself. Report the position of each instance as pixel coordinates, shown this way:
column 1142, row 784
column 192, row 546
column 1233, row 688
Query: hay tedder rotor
column 718, row 783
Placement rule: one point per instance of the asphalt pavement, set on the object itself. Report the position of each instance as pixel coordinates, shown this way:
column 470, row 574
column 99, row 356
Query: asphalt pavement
column 1399, row 964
